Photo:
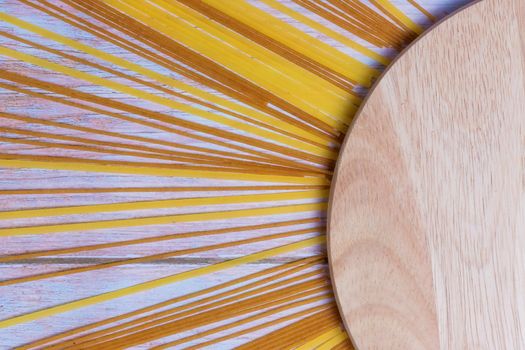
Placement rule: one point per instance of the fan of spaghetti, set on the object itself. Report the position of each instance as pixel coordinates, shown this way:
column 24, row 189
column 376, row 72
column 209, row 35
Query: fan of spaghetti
column 165, row 166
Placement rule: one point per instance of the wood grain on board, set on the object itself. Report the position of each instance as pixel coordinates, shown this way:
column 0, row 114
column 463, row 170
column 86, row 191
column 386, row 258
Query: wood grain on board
column 427, row 219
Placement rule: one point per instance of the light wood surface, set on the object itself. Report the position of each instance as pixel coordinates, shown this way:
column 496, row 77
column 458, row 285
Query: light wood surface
column 427, row 219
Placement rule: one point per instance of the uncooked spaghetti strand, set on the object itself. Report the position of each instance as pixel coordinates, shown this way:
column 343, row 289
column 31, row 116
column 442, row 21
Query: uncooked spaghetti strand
column 86, row 248
column 218, row 314
column 85, row 190
column 318, row 342
column 163, row 157
column 162, row 204
column 300, row 146
column 20, row 160
column 293, row 38
column 270, row 43
column 161, row 220
column 297, row 86
column 297, row 333
column 208, row 66
column 291, row 266
column 314, row 311
column 296, row 336
column 147, row 149
column 288, row 129
column 148, row 258
column 207, row 302
column 11, row 160
column 184, row 169
column 254, row 116
column 352, row 18
column 390, row 33
column 202, row 151
column 327, row 31
column 81, row 303
column 255, row 155
column 339, row 338
column 258, row 156
column 92, row 131
column 162, row 117
column 394, row 35
column 200, row 316
column 254, row 100
column 320, row 11
column 344, row 345
column 397, row 16
column 424, row 11
column 243, row 321
column 235, row 295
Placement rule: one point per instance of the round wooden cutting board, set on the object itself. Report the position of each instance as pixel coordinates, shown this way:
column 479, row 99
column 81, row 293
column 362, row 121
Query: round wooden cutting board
column 427, row 217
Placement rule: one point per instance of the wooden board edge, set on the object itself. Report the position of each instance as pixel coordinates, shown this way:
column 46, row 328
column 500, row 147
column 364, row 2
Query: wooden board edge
column 345, row 141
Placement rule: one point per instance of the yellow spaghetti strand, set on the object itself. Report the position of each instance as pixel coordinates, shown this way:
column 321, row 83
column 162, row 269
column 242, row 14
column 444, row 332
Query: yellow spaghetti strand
column 162, row 204
column 282, row 306
column 318, row 341
column 328, row 32
column 265, row 134
column 331, row 343
column 13, row 162
column 162, row 238
column 293, row 316
column 266, row 275
column 233, row 106
column 161, row 220
column 298, row 86
column 421, row 9
column 297, row 40
column 148, row 258
column 329, row 57
column 71, row 190
column 142, row 287
column 394, row 11
column 259, row 65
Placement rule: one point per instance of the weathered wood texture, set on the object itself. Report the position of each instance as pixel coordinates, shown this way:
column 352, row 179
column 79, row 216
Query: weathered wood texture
column 426, row 225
